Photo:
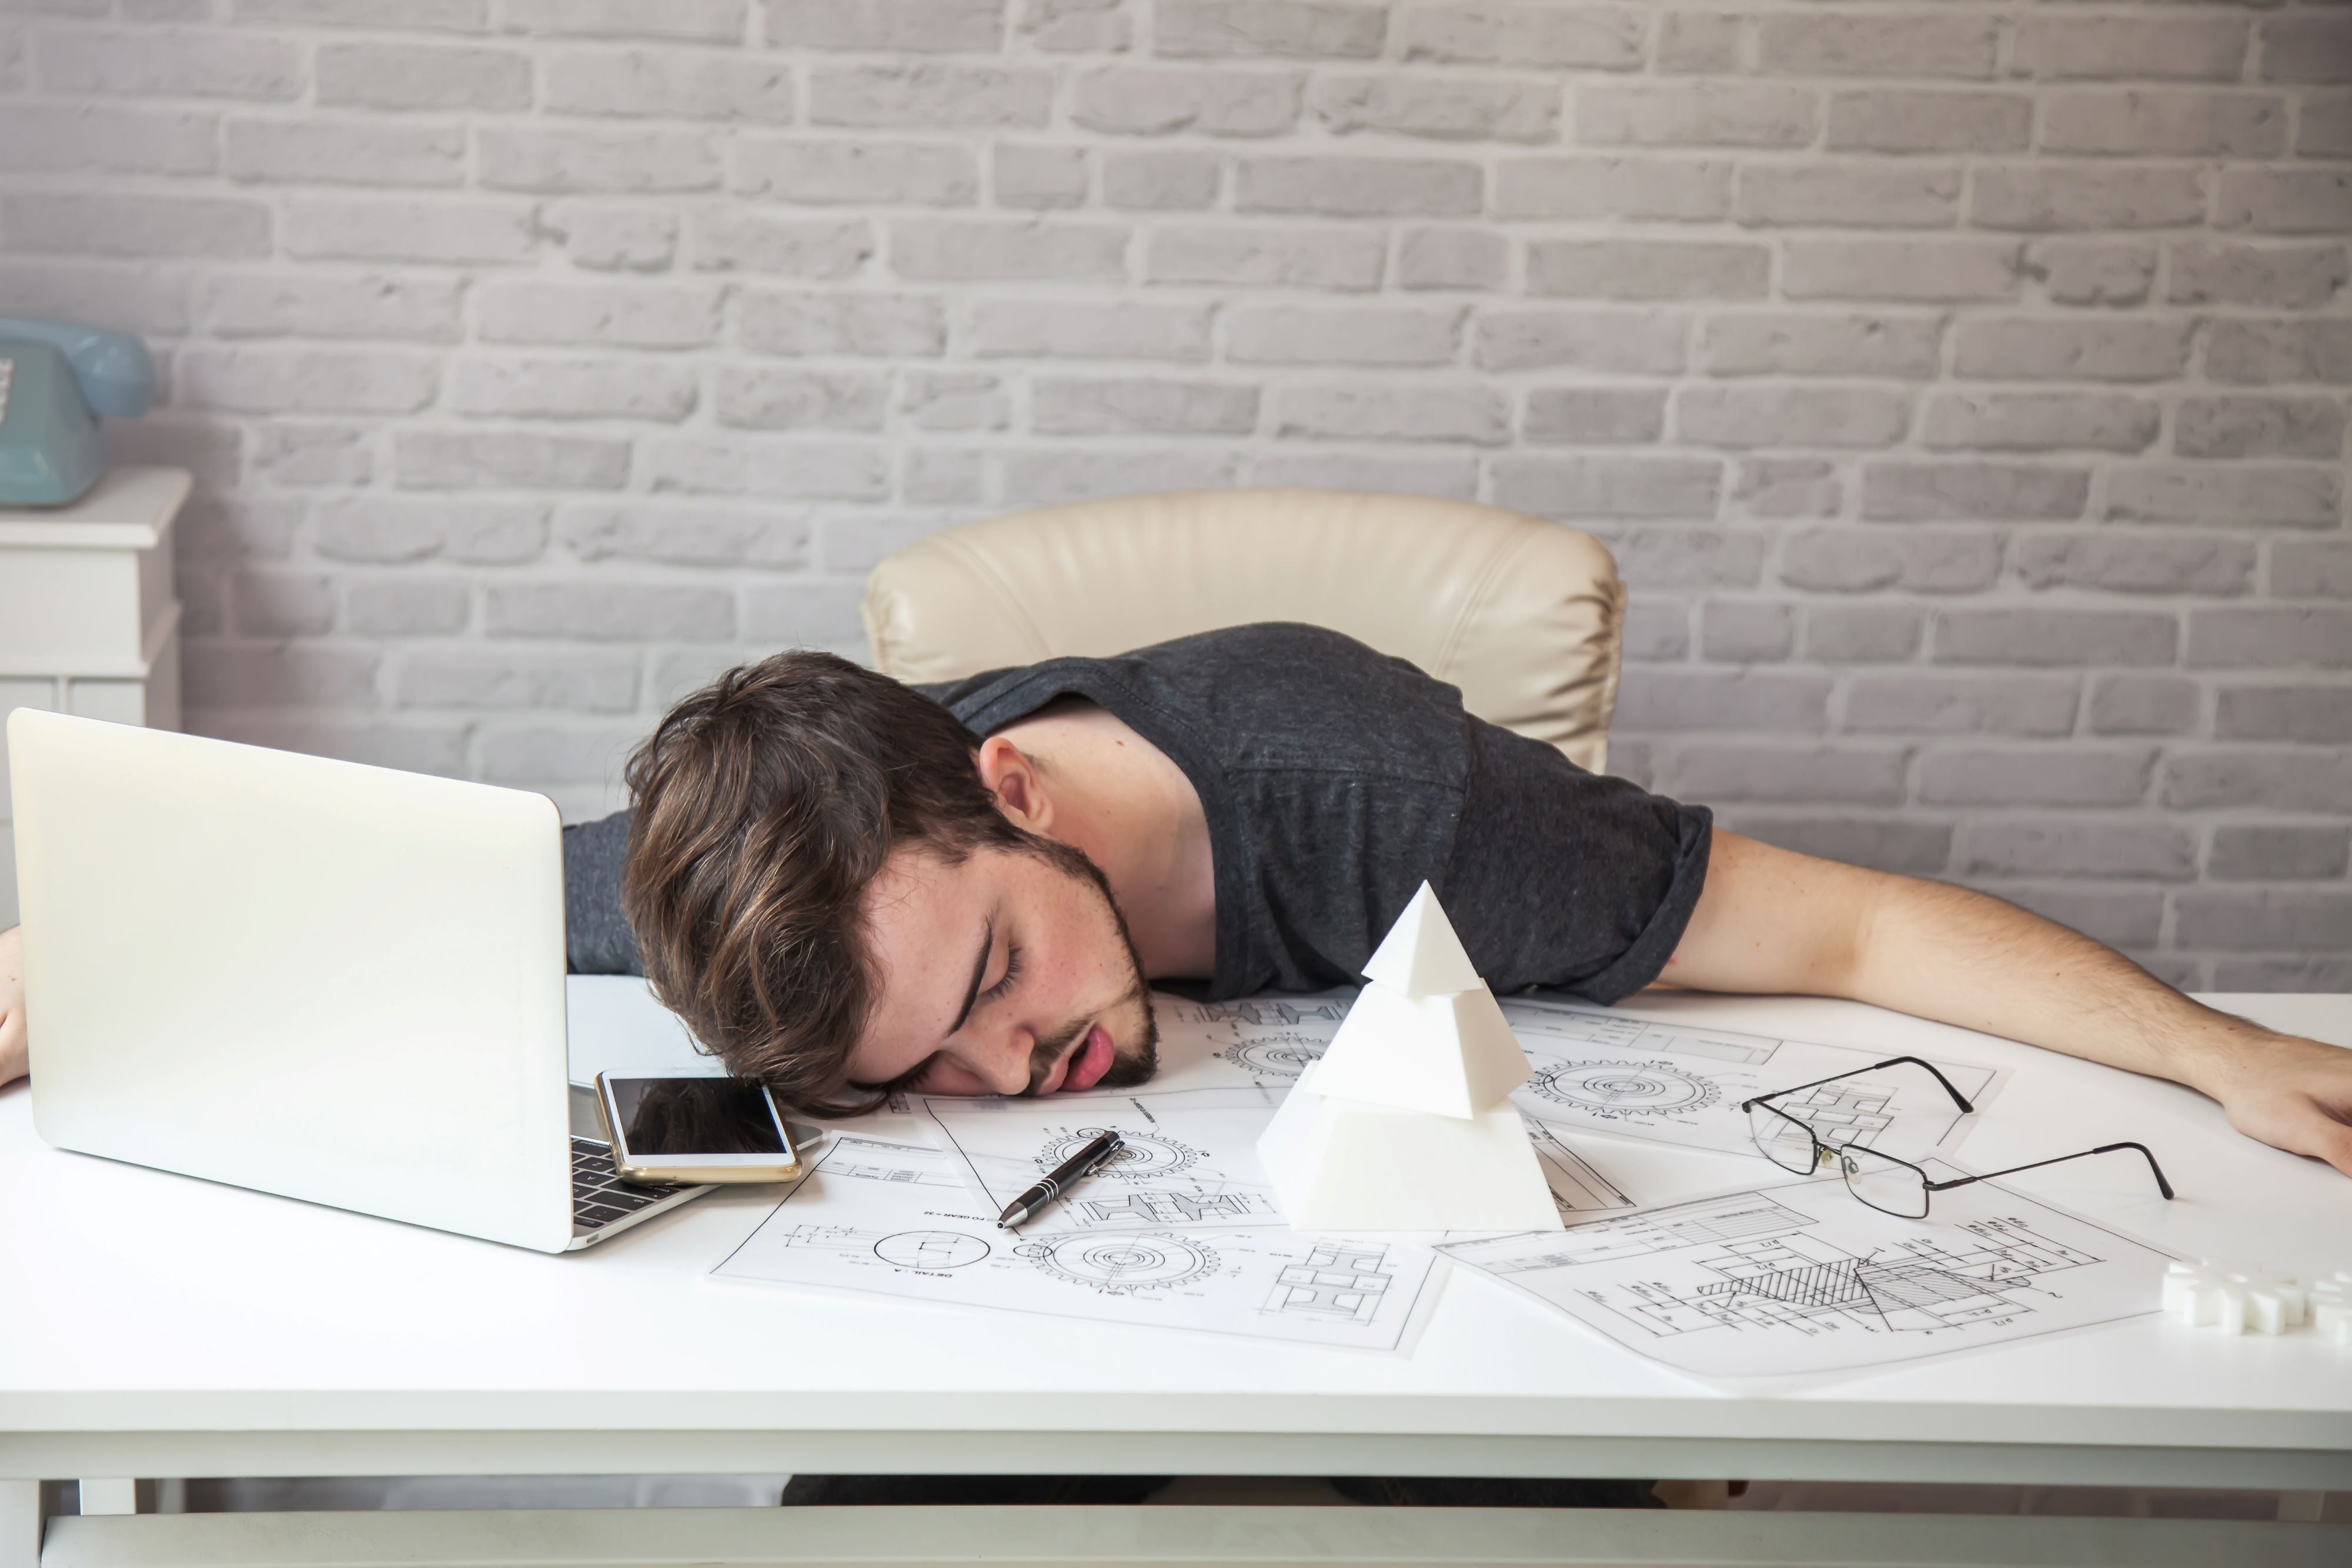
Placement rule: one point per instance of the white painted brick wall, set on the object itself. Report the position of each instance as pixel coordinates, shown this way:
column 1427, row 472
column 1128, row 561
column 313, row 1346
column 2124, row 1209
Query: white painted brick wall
column 1962, row 387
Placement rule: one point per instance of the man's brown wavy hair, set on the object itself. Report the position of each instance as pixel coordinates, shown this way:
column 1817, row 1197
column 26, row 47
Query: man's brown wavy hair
column 763, row 805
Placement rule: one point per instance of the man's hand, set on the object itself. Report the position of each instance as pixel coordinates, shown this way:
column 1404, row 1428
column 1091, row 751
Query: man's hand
column 12, row 1062
column 2292, row 1093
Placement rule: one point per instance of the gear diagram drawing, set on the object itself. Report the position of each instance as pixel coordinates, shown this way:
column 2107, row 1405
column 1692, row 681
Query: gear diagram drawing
column 1625, row 1088
column 1137, row 1262
column 1145, row 1156
column 931, row 1249
column 1281, row 1055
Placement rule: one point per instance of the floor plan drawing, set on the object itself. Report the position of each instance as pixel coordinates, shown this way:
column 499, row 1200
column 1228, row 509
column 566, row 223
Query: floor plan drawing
column 918, row 1237
column 1801, row 1278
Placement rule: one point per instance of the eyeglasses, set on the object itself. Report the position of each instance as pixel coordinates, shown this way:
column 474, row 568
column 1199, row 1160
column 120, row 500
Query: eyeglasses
column 1886, row 1184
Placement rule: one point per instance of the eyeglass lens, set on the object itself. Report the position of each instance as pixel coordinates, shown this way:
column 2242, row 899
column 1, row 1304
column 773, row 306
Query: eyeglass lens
column 1783, row 1140
column 1888, row 1186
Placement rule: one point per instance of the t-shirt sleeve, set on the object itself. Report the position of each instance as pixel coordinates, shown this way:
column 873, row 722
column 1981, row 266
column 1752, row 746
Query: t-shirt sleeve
column 597, row 937
column 1561, row 877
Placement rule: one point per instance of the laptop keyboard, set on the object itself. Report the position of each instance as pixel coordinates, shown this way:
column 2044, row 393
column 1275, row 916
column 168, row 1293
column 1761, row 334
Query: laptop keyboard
column 599, row 1196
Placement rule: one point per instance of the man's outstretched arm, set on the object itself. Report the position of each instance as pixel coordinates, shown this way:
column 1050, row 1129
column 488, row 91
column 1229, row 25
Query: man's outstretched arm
column 1771, row 920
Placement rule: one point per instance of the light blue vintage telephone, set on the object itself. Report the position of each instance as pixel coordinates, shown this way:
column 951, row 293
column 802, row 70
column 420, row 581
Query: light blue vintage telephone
column 57, row 379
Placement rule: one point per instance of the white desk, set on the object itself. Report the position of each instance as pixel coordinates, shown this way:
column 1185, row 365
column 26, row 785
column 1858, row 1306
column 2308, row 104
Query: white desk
column 159, row 1326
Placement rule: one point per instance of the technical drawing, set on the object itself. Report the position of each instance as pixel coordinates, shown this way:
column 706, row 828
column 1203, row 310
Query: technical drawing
column 854, row 1161
column 1146, row 1156
column 931, row 1249
column 1278, row 1056
column 1338, row 1278
column 1576, row 1187
column 1839, row 1114
column 1625, row 1088
column 1537, row 1018
column 1123, row 1262
column 1151, row 1206
column 1260, row 1011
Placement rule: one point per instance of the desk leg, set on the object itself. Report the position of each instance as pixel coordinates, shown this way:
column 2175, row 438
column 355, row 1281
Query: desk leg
column 108, row 1496
column 20, row 1524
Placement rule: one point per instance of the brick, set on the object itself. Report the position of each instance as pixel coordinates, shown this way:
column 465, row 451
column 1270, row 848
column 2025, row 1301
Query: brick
column 2273, row 637
column 887, row 25
column 1611, row 488
column 1038, row 176
column 1634, row 342
column 683, row 534
column 1846, row 343
column 857, row 542
column 2093, row 272
column 1654, row 558
column 2290, row 350
column 2277, row 854
column 1305, row 29
column 1259, row 257
column 1041, row 479
column 2036, row 775
column 732, row 239
column 1657, row 631
column 1452, row 476
column 1025, row 329
column 1712, row 114
column 702, row 21
column 2306, row 49
column 1916, row 269
column 72, row 138
column 207, row 445
column 128, row 298
column 435, row 15
column 2160, row 48
column 734, row 463
column 1648, row 269
column 953, row 402
column 482, row 459
column 1699, row 43
column 169, row 62
column 279, row 675
column 2036, row 348
column 592, row 158
column 2266, row 780
column 1078, row 27
column 2280, row 975
column 1961, row 705
column 2039, row 422
column 1594, row 416
column 609, row 315
column 2247, row 497
column 605, row 613
column 411, row 748
column 1016, row 250
column 1997, row 492
column 1679, row 701
column 338, row 455
column 876, row 173
column 1809, row 774
column 2061, row 196
column 554, row 753
column 1861, row 561
column 1128, row 100
column 572, row 386
column 2165, row 122
column 441, row 230
column 1161, row 179
column 2271, row 917
column 1525, row 37
column 2042, row 637
column 1920, row 44
column 2258, row 427
column 927, row 93
column 2124, row 918
column 510, row 680
column 318, row 150
column 1906, row 195
column 2281, row 276
column 1347, row 335
column 2312, row 569
column 305, row 381
column 1911, row 847
column 805, row 614
column 1790, row 416
column 283, row 603
column 1141, row 406
column 423, row 75
column 147, row 228
column 1588, row 188
column 2285, row 201
column 2127, row 564
column 1353, row 186
column 613, row 237
column 883, row 325
column 2145, row 705
column 301, row 305
column 1478, row 415
column 1741, row 632
column 2313, row 714
column 1903, row 120
column 1441, row 109
column 669, row 84
column 2325, row 128
column 2157, row 852
column 1861, row 633
column 407, row 607
column 1788, row 487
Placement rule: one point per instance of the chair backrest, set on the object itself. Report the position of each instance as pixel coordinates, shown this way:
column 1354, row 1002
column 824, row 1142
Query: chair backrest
column 1524, row 616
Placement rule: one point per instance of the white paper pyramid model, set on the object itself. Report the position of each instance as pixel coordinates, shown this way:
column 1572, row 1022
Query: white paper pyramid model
column 1407, row 1123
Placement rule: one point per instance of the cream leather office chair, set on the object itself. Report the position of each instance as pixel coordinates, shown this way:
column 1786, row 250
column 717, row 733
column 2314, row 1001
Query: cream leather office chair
column 1523, row 615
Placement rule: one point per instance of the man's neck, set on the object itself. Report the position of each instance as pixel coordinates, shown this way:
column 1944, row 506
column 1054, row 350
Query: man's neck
column 1131, row 809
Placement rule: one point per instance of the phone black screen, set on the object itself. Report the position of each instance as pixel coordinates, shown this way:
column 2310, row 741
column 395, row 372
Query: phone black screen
column 694, row 1116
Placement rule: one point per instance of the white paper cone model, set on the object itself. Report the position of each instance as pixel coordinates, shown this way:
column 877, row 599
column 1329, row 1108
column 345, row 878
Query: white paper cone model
column 1407, row 1123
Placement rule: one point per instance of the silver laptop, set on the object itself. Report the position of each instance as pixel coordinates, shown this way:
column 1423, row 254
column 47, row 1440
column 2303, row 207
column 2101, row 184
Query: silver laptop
column 335, row 982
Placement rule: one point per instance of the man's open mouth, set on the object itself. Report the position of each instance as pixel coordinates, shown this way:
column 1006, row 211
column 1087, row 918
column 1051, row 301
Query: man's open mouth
column 1091, row 1059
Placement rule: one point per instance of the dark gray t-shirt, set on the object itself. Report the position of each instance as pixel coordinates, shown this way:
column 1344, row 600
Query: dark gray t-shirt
column 1334, row 780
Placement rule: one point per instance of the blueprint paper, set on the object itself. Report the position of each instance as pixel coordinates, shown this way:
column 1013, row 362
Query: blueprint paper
column 1799, row 1276
column 894, row 1219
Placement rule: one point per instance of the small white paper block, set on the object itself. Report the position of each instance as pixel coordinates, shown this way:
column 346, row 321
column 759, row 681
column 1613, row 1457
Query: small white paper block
column 1343, row 1164
column 2234, row 1300
column 1421, row 956
column 1453, row 1055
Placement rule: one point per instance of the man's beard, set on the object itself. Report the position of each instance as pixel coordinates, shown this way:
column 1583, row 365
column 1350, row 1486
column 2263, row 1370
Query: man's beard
column 1132, row 1061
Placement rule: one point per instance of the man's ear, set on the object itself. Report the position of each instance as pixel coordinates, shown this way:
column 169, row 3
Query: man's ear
column 1018, row 784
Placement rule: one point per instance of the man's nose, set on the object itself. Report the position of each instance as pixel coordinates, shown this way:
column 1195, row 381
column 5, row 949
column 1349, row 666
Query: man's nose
column 1007, row 1067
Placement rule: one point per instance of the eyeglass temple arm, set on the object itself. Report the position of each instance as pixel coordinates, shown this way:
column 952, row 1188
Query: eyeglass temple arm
column 2154, row 1169
column 1958, row 1098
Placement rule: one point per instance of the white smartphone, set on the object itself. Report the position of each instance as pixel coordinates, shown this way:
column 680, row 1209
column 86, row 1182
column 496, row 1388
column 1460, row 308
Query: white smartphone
column 678, row 1131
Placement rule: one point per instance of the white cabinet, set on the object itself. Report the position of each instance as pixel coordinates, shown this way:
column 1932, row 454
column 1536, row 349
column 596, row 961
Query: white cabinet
column 88, row 622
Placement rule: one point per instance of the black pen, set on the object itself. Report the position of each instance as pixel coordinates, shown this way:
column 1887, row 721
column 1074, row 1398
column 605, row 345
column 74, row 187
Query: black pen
column 1098, row 1148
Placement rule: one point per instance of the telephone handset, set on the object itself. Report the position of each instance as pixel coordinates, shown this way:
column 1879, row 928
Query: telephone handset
column 56, row 380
